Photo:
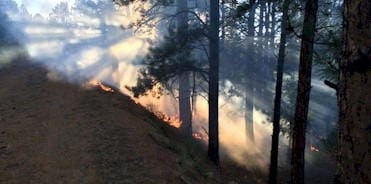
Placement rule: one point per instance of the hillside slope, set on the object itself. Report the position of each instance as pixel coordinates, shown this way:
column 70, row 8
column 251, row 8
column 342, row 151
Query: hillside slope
column 55, row 132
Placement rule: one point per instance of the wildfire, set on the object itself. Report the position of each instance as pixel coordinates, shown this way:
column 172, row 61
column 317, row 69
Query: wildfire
column 176, row 122
column 171, row 120
column 100, row 85
column 200, row 136
column 313, row 149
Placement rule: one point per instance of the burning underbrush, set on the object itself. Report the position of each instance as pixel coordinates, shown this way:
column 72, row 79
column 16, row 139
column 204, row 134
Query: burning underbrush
column 171, row 120
column 98, row 84
column 200, row 133
column 174, row 121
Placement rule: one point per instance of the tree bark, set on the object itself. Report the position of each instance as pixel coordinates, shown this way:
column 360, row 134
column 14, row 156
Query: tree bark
column 304, row 86
column 278, row 96
column 354, row 95
column 213, row 147
column 185, row 111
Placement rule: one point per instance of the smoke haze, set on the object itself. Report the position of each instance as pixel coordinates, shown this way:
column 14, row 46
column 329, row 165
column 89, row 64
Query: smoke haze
column 100, row 46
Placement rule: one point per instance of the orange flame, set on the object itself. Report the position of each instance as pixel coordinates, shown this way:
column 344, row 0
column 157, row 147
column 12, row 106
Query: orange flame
column 100, row 85
column 171, row 120
column 174, row 121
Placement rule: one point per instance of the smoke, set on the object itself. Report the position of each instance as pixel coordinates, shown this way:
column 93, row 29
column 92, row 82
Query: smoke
column 95, row 46
column 85, row 45
column 101, row 46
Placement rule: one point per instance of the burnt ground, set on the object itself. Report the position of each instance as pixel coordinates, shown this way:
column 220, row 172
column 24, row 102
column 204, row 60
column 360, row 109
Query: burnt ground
column 56, row 132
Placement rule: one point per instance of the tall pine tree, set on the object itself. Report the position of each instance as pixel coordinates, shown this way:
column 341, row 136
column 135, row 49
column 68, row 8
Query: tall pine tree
column 213, row 148
column 303, row 94
column 278, row 95
column 354, row 94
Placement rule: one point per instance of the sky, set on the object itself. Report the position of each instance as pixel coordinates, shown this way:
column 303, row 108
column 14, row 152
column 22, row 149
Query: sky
column 41, row 6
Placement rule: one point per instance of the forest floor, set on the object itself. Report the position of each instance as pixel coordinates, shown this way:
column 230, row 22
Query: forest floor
column 56, row 132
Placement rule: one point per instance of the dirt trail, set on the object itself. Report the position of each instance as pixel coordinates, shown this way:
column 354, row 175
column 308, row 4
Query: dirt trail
column 54, row 132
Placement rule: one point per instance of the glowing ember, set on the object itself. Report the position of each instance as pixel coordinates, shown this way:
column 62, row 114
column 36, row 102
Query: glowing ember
column 100, row 85
column 313, row 149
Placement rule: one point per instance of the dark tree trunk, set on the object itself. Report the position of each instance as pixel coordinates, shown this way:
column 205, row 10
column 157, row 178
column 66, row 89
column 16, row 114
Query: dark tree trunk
column 354, row 95
column 278, row 96
column 213, row 147
column 185, row 111
column 303, row 93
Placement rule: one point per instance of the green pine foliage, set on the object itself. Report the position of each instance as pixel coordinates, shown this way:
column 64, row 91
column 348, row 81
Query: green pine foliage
column 175, row 55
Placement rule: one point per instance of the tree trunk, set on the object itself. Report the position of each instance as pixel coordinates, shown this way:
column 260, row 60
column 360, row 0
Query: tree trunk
column 354, row 95
column 213, row 147
column 303, row 93
column 185, row 111
column 278, row 96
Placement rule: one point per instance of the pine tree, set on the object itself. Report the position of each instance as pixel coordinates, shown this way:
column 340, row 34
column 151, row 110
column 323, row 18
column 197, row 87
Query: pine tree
column 185, row 112
column 303, row 94
column 213, row 147
column 354, row 95
column 278, row 95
